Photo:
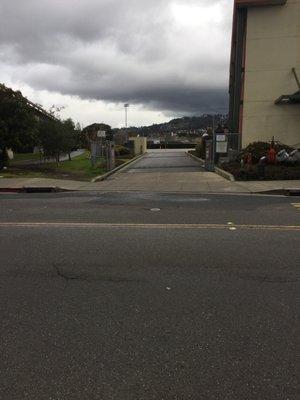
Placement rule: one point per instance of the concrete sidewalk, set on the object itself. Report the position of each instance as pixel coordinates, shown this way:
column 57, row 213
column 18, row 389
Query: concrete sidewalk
column 157, row 171
column 64, row 184
column 195, row 182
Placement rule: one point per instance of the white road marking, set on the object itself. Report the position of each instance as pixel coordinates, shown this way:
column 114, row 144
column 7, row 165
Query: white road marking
column 82, row 225
column 296, row 205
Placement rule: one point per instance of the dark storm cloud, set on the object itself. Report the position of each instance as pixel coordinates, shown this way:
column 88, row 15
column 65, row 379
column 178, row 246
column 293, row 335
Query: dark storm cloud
column 112, row 50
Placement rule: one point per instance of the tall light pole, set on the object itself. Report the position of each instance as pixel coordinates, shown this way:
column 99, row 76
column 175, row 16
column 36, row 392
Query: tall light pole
column 126, row 106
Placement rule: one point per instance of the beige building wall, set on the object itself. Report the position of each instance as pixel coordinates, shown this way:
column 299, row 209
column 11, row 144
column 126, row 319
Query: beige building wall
column 272, row 50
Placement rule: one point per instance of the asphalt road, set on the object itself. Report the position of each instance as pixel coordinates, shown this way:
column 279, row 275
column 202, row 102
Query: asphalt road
column 102, row 298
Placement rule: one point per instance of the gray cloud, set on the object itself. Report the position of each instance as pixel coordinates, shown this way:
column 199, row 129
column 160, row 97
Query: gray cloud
column 119, row 51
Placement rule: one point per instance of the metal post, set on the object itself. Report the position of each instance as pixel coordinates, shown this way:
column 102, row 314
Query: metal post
column 101, row 152
column 126, row 114
column 213, row 143
column 93, row 153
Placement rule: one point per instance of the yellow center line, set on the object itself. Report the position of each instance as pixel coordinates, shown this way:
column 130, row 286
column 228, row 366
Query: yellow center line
column 144, row 226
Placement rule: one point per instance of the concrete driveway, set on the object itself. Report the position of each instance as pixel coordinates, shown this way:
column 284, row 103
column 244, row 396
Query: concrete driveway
column 167, row 171
column 166, row 161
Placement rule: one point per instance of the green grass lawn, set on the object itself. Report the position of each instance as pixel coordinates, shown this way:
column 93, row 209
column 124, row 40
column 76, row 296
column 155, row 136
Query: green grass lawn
column 79, row 168
column 20, row 157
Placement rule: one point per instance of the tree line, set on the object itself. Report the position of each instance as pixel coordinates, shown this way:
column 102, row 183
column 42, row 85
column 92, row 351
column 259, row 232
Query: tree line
column 182, row 125
column 22, row 128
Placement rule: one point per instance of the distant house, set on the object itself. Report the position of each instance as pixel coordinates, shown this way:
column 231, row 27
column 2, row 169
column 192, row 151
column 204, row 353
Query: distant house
column 265, row 71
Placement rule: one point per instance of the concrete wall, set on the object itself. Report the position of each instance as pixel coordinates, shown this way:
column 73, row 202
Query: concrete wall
column 139, row 145
column 272, row 50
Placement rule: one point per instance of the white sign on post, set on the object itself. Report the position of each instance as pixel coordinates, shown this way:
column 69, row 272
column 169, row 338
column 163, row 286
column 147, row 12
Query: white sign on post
column 221, row 138
column 221, row 143
column 101, row 134
column 221, row 147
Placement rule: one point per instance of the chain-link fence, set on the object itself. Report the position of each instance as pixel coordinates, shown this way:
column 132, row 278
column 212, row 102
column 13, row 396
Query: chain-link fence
column 234, row 145
column 234, row 141
column 222, row 147
column 103, row 153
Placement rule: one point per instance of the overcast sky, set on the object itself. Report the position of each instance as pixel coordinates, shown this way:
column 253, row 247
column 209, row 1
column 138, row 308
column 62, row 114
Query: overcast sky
column 165, row 57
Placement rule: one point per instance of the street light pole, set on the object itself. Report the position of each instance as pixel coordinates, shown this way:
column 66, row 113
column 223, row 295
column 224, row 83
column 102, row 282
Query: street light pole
column 213, row 142
column 126, row 106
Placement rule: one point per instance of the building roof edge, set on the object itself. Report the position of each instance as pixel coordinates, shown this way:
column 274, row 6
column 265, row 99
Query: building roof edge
column 259, row 3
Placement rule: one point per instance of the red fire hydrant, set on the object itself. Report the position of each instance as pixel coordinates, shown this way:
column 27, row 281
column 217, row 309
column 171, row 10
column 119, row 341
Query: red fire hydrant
column 272, row 156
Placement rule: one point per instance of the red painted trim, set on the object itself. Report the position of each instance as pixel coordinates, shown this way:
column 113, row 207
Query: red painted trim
column 243, row 83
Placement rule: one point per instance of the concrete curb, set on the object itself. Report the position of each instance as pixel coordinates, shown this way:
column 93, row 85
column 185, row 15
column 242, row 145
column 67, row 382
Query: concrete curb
column 44, row 189
column 34, row 189
column 225, row 174
column 280, row 192
column 119, row 168
column 200, row 160
column 218, row 170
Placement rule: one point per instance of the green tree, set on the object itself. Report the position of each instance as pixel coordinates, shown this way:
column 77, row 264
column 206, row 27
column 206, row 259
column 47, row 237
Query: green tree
column 83, row 142
column 57, row 138
column 70, row 137
column 51, row 139
column 18, row 123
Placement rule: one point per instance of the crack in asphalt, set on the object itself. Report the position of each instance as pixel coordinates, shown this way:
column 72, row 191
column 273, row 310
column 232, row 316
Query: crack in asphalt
column 66, row 274
column 69, row 277
column 268, row 278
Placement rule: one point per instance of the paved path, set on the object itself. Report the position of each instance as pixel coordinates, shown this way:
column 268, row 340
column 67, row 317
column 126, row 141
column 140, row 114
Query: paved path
column 49, row 160
column 165, row 161
column 73, row 154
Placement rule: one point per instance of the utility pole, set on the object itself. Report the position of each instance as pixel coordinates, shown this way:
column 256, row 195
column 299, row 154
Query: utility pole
column 214, row 140
column 126, row 106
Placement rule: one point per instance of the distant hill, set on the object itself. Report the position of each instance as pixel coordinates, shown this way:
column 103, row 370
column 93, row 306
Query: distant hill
column 185, row 125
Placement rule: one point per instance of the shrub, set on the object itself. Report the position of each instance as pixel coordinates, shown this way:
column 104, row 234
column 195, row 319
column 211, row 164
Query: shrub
column 200, row 149
column 272, row 172
column 260, row 149
column 122, row 150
